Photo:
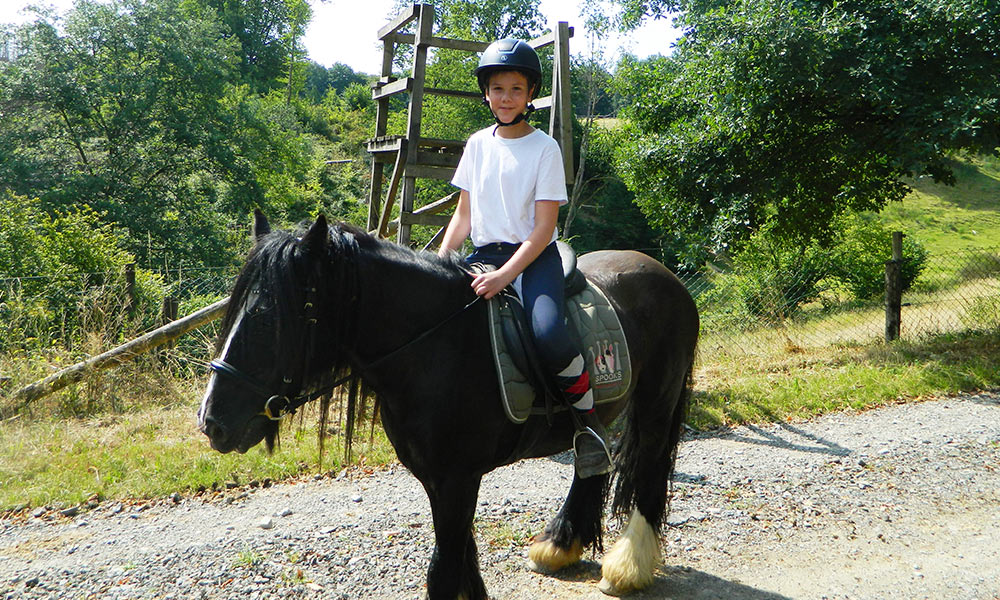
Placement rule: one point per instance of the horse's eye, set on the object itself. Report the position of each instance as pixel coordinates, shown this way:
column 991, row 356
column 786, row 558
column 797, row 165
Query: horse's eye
column 258, row 302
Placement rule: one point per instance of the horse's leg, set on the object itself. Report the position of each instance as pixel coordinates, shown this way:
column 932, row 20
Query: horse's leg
column 454, row 569
column 577, row 526
column 645, row 463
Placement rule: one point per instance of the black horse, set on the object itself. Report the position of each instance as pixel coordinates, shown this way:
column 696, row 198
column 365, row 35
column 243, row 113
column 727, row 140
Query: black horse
column 336, row 300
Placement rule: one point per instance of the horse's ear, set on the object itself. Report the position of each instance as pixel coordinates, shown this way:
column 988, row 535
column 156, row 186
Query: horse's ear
column 260, row 225
column 316, row 239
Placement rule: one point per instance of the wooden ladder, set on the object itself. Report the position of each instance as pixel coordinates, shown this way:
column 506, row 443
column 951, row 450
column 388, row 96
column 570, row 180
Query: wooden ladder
column 415, row 157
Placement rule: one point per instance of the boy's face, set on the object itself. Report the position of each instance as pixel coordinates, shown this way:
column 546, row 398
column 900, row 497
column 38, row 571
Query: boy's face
column 508, row 94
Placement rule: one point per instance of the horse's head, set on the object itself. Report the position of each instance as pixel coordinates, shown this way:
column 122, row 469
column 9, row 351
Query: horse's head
column 264, row 346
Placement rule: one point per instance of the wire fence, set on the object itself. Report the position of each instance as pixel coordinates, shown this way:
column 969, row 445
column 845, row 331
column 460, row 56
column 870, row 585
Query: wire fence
column 955, row 292
column 83, row 313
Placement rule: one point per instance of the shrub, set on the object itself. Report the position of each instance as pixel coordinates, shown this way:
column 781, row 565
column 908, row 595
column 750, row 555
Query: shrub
column 770, row 279
column 860, row 251
column 61, row 274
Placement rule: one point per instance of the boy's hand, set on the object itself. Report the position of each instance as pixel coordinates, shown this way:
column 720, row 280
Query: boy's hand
column 490, row 284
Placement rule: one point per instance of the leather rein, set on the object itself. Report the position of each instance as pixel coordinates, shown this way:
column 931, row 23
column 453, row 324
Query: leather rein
column 281, row 404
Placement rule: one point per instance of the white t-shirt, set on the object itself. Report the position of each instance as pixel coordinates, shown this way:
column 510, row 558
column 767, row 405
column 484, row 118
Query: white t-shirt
column 504, row 178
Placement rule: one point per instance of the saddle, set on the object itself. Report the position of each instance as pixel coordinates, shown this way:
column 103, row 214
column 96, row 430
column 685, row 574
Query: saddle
column 526, row 388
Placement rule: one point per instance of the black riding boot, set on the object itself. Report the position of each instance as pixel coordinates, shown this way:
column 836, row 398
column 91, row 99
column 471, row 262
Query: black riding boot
column 590, row 446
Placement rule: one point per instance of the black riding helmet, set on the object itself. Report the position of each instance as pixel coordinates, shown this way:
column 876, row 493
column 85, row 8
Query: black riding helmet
column 510, row 54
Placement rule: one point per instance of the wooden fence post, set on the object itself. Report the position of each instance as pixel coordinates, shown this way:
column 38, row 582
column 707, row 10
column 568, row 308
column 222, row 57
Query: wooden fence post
column 115, row 357
column 894, row 288
column 130, row 289
column 168, row 315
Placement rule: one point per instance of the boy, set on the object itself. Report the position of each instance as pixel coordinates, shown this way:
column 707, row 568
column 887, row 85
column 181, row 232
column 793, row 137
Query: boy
column 512, row 185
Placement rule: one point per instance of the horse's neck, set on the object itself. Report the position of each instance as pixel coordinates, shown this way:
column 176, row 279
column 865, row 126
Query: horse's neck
column 400, row 300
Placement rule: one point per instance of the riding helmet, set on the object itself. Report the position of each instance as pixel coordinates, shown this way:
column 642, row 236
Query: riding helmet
column 510, row 54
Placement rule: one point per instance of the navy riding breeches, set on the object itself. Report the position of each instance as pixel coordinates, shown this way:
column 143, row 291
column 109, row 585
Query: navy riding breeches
column 543, row 295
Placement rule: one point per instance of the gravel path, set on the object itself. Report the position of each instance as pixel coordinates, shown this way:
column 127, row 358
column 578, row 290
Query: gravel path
column 896, row 503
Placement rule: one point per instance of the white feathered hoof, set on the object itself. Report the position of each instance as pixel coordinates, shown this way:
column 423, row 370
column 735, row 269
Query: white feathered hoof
column 546, row 557
column 630, row 565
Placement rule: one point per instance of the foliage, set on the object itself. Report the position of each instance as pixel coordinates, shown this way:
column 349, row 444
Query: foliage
column 266, row 31
column 139, row 110
column 769, row 279
column 46, row 261
column 795, row 112
column 862, row 246
column 607, row 217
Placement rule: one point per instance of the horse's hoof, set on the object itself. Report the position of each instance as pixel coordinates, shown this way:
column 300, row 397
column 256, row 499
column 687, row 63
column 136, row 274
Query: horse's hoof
column 608, row 588
column 546, row 557
column 631, row 563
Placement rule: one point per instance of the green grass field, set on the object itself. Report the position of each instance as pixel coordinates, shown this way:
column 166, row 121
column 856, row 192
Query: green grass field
column 948, row 218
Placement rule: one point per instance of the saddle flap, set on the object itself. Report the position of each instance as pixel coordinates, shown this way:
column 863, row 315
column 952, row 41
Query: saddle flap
column 596, row 325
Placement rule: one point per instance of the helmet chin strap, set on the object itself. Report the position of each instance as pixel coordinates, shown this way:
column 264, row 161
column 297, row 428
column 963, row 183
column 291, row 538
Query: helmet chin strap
column 527, row 113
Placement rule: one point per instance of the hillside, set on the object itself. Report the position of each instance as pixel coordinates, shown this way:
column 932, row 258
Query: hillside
column 947, row 218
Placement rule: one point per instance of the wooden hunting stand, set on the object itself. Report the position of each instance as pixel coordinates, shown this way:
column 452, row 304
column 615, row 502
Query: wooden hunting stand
column 416, row 157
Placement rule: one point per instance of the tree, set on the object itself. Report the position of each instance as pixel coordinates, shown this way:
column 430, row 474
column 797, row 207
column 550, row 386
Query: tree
column 267, row 32
column 124, row 111
column 794, row 112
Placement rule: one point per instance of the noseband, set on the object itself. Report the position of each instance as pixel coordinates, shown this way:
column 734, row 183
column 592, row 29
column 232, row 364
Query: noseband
column 279, row 405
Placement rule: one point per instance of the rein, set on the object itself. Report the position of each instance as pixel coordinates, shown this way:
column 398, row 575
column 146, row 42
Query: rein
column 279, row 405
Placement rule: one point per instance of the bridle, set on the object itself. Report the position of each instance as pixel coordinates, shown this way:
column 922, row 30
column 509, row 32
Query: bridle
column 281, row 404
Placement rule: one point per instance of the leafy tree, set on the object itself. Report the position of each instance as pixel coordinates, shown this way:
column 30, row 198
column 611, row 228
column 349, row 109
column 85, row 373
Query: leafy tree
column 321, row 80
column 266, row 31
column 125, row 112
column 136, row 109
column 794, row 112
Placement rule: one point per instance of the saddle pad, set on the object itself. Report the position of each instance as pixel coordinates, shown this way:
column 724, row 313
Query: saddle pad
column 604, row 349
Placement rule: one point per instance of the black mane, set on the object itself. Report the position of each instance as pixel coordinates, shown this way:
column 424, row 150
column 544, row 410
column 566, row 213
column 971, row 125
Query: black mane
column 284, row 266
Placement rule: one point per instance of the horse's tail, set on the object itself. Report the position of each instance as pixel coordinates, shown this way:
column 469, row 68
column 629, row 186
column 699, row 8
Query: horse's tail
column 646, row 455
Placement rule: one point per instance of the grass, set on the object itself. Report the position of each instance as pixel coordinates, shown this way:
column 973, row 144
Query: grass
column 150, row 453
column 948, row 218
column 736, row 389
column 154, row 452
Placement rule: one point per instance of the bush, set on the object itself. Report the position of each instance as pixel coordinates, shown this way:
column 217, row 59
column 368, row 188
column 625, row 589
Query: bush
column 860, row 251
column 62, row 274
column 770, row 279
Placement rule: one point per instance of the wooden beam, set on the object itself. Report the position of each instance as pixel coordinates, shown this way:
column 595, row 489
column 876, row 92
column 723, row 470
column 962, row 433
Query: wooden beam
column 398, row 22
column 561, row 115
column 422, row 219
column 452, row 44
column 391, row 89
column 438, row 159
column 438, row 205
column 542, row 103
column 119, row 355
column 390, row 198
column 440, row 143
column 386, row 143
column 424, row 31
column 547, row 39
column 425, row 172
column 440, row 42
column 454, row 93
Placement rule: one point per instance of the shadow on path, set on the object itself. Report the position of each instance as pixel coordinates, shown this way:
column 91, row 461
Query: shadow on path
column 673, row 583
